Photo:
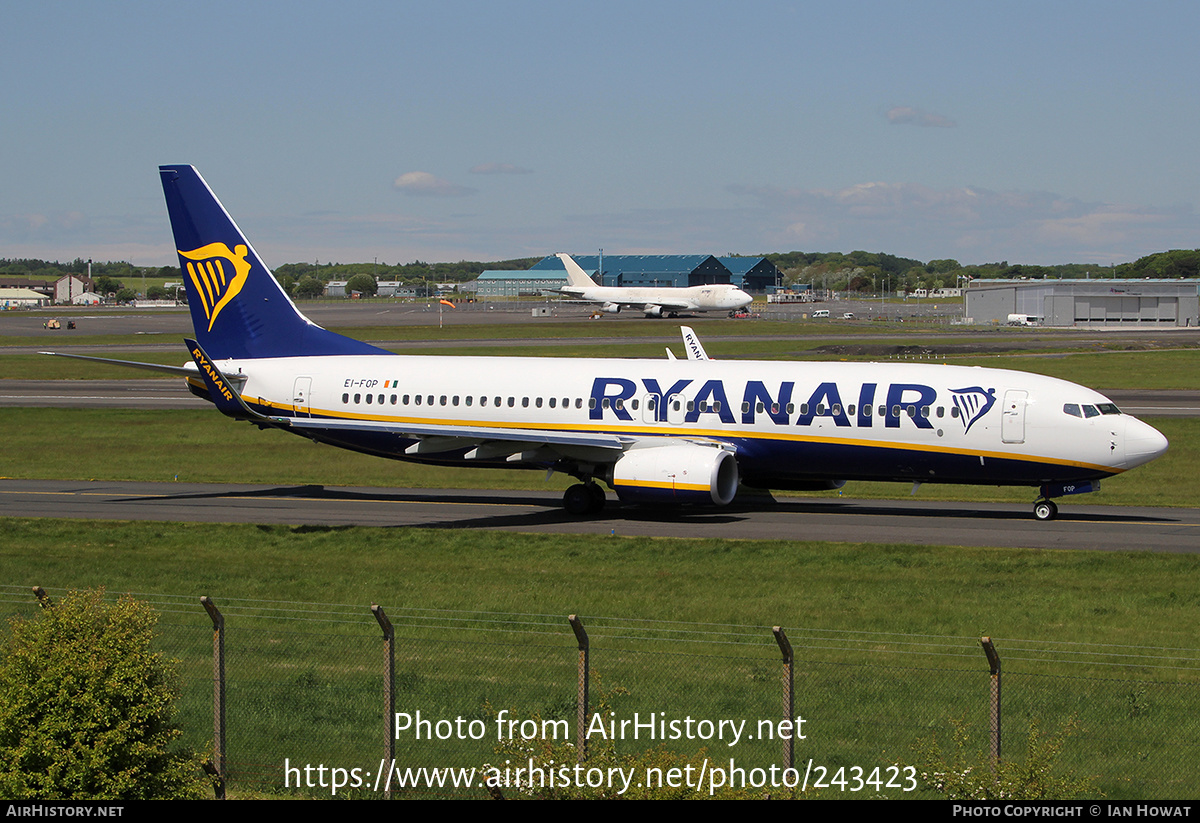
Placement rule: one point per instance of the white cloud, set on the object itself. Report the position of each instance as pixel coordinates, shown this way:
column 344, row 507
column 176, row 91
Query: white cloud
column 499, row 168
column 422, row 183
column 911, row 116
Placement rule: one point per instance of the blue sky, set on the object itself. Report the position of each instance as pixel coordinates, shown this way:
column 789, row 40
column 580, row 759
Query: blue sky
column 1045, row 132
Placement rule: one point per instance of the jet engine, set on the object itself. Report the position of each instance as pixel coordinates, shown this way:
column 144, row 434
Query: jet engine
column 681, row 473
column 611, row 308
column 653, row 311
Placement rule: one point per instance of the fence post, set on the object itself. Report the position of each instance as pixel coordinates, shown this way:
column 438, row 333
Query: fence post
column 218, row 761
column 994, row 663
column 389, row 688
column 581, row 710
column 789, row 695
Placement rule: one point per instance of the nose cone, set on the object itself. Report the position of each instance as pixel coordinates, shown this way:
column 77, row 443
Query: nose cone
column 1143, row 443
column 738, row 298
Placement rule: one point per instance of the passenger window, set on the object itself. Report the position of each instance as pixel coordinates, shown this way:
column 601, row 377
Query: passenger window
column 497, row 402
column 429, row 400
column 469, row 399
column 358, row 398
column 512, row 401
column 850, row 410
column 393, row 399
column 836, row 410
column 803, row 409
column 774, row 408
column 866, row 411
column 820, row 410
column 524, row 402
column 691, row 405
column 791, row 408
column 443, row 400
column 381, row 399
column 553, row 401
column 896, row 411
column 941, row 412
column 912, row 411
column 633, row 404
column 404, row 400
column 538, row 402
column 454, row 400
column 369, row 399
column 1072, row 409
column 345, row 398
column 924, row 411
column 591, row 403
column 954, row 412
column 418, row 399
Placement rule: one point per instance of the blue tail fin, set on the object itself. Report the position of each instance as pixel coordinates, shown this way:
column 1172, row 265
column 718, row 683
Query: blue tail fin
column 238, row 308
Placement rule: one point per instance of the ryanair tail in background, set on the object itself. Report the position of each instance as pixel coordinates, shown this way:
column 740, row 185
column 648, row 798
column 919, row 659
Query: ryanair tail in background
column 238, row 308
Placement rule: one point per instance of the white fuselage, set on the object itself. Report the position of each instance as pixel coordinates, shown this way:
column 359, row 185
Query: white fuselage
column 785, row 422
column 715, row 297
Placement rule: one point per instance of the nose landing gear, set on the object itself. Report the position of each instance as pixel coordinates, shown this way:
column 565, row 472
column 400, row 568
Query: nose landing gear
column 1045, row 510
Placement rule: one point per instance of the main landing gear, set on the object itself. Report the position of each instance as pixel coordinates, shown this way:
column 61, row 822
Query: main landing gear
column 584, row 498
column 1045, row 510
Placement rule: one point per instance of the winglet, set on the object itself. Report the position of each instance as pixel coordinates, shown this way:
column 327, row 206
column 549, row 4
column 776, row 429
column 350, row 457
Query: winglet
column 691, row 344
column 576, row 276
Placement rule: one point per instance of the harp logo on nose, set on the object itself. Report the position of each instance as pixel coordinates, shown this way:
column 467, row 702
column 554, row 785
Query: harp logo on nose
column 218, row 275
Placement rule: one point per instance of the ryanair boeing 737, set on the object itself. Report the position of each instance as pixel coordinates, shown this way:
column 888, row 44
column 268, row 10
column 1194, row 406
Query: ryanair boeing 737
column 656, row 432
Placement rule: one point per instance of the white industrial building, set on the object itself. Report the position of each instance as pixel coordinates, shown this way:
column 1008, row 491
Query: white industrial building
column 1125, row 303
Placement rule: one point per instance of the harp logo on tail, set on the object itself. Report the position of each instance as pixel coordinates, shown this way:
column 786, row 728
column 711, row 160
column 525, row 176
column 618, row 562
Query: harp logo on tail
column 218, row 275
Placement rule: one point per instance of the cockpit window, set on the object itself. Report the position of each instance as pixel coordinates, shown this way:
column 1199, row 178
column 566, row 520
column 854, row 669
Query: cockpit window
column 1090, row 411
column 1108, row 408
column 1072, row 409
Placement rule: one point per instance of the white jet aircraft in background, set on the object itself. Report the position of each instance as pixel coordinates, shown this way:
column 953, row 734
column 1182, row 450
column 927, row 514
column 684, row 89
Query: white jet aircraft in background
column 655, row 431
column 655, row 302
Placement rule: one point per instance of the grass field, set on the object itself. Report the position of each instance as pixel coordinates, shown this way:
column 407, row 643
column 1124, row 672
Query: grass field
column 680, row 625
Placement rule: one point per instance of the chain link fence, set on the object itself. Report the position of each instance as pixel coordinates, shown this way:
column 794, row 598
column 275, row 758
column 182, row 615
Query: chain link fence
column 325, row 699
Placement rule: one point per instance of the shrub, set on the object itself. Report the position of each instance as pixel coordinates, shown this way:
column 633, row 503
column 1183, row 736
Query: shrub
column 86, row 707
column 1037, row 777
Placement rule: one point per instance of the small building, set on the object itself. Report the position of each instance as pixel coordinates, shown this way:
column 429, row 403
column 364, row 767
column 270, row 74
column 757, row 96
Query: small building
column 1086, row 302
column 68, row 286
column 21, row 298
column 501, row 283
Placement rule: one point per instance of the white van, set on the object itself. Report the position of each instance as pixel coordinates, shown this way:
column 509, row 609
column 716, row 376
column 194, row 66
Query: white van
column 820, row 313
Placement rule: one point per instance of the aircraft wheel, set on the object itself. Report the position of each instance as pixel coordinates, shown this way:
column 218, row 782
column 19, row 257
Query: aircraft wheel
column 1045, row 510
column 578, row 500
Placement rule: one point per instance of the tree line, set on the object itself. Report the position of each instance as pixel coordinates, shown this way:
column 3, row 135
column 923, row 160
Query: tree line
column 858, row 271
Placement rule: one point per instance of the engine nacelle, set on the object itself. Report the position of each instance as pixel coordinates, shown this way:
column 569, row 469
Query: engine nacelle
column 653, row 311
column 681, row 473
column 611, row 308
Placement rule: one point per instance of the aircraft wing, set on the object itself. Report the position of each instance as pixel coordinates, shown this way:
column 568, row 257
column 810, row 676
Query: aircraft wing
column 444, row 437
